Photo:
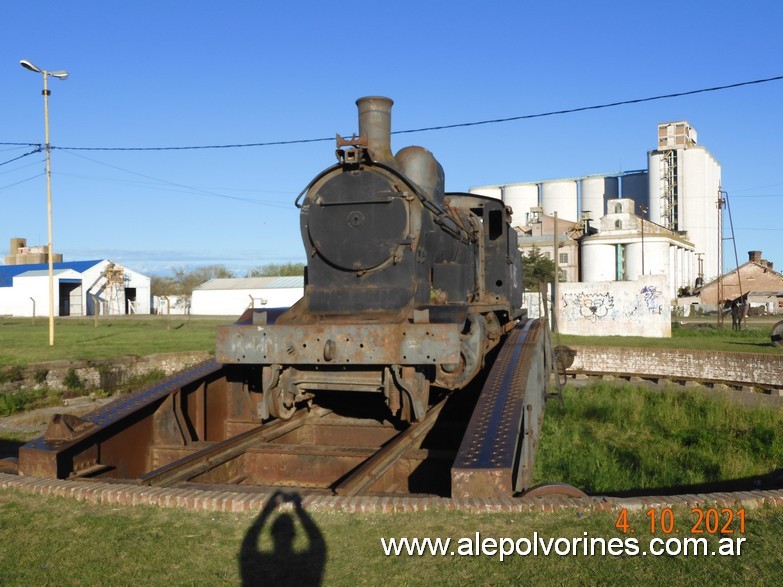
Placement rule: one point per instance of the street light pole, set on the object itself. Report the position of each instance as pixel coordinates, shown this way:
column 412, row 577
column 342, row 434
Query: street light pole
column 50, row 250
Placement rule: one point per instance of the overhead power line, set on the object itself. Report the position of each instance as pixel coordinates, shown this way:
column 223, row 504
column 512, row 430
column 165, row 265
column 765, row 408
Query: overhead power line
column 33, row 152
column 22, row 181
column 431, row 128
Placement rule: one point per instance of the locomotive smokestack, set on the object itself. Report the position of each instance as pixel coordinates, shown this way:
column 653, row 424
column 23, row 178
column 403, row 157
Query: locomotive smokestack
column 375, row 121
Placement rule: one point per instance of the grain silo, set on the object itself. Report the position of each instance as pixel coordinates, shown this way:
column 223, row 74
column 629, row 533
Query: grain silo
column 520, row 197
column 560, row 196
column 636, row 187
column 684, row 183
column 599, row 261
column 595, row 191
column 491, row 191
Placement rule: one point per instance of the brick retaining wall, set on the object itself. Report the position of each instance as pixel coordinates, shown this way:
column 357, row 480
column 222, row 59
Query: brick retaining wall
column 234, row 501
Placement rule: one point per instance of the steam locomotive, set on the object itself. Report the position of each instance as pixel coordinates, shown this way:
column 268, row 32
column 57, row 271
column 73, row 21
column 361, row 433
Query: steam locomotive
column 406, row 286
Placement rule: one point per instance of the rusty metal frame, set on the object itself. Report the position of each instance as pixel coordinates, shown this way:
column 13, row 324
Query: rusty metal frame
column 84, row 451
column 339, row 344
column 497, row 453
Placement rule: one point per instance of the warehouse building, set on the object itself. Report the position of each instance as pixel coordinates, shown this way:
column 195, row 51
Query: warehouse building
column 81, row 288
column 231, row 297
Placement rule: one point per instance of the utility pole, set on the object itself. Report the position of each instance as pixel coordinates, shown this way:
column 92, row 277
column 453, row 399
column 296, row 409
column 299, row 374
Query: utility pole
column 556, row 279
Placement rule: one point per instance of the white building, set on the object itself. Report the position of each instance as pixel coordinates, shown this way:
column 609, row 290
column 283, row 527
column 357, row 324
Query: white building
column 231, row 297
column 685, row 181
column 677, row 194
column 80, row 287
column 628, row 247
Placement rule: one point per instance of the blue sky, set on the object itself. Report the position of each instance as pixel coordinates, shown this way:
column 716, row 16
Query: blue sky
column 154, row 74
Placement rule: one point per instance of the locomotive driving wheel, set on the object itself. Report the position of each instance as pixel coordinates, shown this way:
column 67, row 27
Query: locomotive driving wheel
column 282, row 404
column 279, row 401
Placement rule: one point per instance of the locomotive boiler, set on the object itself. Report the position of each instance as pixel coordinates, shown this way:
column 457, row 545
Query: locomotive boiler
column 406, row 286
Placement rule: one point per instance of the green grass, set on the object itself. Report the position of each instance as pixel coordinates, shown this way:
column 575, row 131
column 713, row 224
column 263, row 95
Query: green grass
column 23, row 343
column 755, row 338
column 615, row 438
column 59, row 541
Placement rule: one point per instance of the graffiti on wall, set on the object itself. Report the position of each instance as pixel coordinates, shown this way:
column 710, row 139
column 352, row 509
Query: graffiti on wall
column 591, row 307
column 625, row 308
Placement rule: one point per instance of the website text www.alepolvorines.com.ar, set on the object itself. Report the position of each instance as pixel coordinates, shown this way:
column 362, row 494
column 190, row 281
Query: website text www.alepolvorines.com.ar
column 585, row 545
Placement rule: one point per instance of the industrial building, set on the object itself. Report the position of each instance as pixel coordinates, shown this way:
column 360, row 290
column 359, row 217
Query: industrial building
column 81, row 288
column 627, row 246
column 756, row 281
column 685, row 183
column 231, row 297
column 662, row 220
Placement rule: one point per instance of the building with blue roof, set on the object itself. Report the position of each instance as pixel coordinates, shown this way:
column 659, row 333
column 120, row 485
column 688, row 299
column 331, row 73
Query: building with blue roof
column 81, row 288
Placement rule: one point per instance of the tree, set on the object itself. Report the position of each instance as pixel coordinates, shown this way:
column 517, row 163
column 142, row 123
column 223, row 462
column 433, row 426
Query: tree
column 186, row 280
column 537, row 269
column 275, row 269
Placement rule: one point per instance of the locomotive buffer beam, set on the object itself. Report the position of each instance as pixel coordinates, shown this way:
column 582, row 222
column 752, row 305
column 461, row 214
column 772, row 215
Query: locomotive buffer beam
column 497, row 453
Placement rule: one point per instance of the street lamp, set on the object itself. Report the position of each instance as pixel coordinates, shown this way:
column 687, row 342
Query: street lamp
column 59, row 75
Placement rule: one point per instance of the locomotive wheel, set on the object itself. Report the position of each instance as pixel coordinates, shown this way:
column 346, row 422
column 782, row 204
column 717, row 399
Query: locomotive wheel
column 472, row 344
column 279, row 409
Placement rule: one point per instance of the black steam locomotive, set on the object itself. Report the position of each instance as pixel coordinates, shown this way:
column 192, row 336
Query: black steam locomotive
column 406, row 286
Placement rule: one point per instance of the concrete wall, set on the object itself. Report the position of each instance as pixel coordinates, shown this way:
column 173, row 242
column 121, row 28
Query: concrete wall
column 751, row 368
column 616, row 308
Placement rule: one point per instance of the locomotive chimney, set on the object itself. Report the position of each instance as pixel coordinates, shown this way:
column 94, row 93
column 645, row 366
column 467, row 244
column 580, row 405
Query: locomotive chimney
column 375, row 121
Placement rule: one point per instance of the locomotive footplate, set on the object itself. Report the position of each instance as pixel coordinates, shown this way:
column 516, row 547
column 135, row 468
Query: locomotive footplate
column 339, row 344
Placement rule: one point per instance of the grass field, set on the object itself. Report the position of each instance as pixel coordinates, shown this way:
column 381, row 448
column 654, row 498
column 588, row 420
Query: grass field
column 754, row 338
column 615, row 439
column 59, row 541
column 24, row 343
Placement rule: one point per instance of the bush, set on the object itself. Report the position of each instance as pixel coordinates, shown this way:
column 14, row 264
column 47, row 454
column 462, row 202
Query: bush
column 12, row 374
column 40, row 375
column 72, row 381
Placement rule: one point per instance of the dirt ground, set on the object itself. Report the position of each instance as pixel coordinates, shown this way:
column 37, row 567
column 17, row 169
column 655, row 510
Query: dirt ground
column 17, row 429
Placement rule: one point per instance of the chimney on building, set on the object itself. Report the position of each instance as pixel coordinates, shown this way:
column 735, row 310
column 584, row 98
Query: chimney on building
column 754, row 256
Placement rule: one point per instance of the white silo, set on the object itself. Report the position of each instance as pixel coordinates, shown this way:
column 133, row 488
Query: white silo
column 598, row 262
column 560, row 196
column 521, row 197
column 656, row 258
column 700, row 181
column 491, row 191
column 595, row 192
column 635, row 186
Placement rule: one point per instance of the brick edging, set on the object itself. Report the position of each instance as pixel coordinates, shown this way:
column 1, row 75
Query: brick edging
column 95, row 492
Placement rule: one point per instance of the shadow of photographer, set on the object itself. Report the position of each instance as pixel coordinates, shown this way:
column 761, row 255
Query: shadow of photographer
column 283, row 565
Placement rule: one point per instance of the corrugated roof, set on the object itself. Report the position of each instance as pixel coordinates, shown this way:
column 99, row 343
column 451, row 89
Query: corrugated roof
column 274, row 282
column 8, row 272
